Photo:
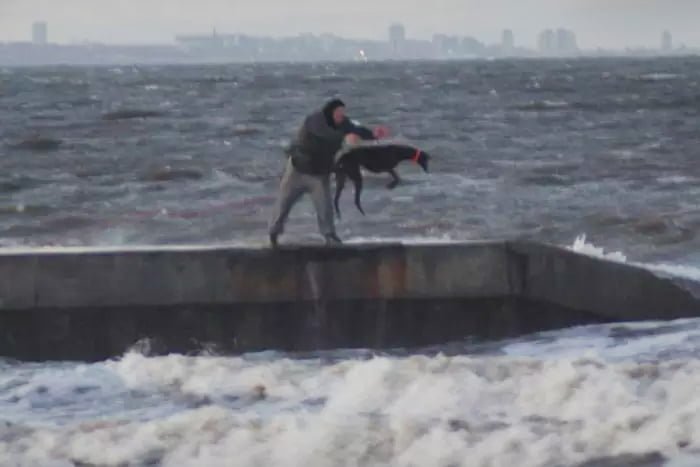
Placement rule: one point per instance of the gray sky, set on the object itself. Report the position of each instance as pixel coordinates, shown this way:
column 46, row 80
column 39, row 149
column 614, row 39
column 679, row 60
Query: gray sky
column 609, row 23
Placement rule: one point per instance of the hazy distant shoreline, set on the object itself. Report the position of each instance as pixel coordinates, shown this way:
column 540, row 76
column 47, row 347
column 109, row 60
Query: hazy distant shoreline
column 227, row 61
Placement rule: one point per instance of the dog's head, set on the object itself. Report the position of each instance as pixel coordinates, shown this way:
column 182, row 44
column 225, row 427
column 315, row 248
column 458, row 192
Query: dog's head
column 414, row 154
column 423, row 158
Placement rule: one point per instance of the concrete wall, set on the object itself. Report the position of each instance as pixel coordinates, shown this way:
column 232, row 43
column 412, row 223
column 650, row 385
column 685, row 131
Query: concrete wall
column 94, row 278
column 613, row 291
column 93, row 304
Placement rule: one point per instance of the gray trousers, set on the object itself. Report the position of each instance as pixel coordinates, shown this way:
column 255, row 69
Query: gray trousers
column 294, row 184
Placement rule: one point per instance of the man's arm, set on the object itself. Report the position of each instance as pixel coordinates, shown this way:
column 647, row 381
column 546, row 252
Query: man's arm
column 350, row 128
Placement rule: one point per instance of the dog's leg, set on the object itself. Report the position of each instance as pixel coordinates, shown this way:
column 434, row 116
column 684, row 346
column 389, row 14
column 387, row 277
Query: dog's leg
column 339, row 185
column 356, row 177
column 395, row 179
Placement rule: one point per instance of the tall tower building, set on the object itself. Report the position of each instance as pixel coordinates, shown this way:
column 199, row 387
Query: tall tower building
column 546, row 42
column 397, row 37
column 566, row 43
column 507, row 41
column 666, row 41
column 39, row 33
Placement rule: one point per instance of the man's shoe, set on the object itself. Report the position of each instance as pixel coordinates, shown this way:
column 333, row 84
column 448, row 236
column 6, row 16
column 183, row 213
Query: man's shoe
column 332, row 239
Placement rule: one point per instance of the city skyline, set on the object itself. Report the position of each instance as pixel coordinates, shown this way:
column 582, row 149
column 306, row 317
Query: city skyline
column 227, row 48
column 548, row 41
column 598, row 23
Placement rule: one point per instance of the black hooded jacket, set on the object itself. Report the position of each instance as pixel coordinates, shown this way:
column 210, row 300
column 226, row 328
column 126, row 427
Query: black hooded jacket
column 319, row 139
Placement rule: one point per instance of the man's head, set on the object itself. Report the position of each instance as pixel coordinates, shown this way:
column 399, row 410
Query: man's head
column 334, row 111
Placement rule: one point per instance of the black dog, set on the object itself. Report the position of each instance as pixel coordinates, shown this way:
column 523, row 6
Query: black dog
column 376, row 158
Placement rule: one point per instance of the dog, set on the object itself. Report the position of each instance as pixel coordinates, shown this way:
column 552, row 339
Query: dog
column 377, row 158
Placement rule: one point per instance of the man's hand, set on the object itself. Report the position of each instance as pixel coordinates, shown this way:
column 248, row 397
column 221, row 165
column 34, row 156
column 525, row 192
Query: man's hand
column 381, row 132
column 352, row 138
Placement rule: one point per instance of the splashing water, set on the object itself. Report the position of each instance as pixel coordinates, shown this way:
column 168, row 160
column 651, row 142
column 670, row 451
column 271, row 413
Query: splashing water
column 581, row 245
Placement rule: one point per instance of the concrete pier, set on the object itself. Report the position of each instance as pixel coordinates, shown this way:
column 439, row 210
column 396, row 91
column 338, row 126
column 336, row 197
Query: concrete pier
column 90, row 304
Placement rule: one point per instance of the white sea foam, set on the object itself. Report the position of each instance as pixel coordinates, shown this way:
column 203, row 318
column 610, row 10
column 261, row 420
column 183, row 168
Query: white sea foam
column 418, row 410
column 581, row 245
column 660, row 77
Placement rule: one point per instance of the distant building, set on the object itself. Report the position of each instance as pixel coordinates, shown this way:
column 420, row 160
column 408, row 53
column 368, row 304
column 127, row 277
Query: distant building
column 472, row 47
column 202, row 43
column 40, row 33
column 566, row 42
column 397, row 37
column 546, row 43
column 507, row 42
column 329, row 42
column 561, row 42
column 666, row 42
column 446, row 46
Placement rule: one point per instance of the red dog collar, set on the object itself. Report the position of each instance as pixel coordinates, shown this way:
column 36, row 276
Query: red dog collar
column 416, row 156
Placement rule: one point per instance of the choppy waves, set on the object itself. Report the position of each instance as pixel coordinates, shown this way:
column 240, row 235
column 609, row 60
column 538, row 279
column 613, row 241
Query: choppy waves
column 533, row 150
column 606, row 395
column 541, row 150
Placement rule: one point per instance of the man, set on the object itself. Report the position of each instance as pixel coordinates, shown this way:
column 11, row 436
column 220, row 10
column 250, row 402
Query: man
column 310, row 163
